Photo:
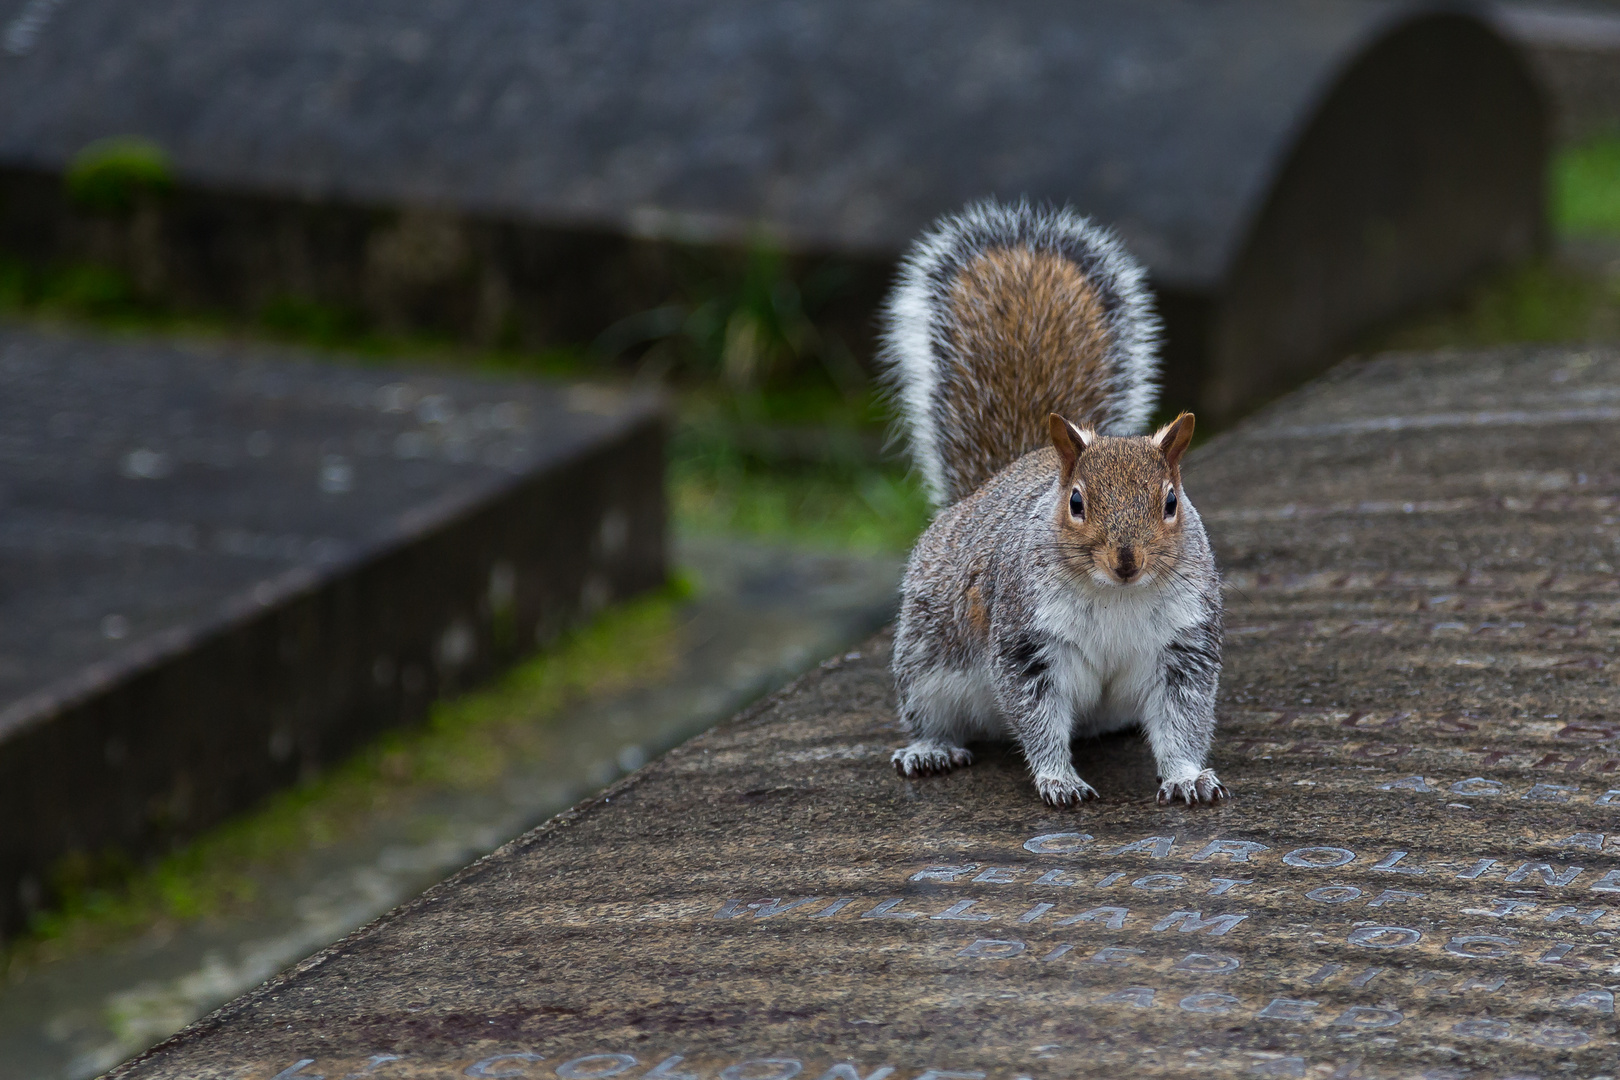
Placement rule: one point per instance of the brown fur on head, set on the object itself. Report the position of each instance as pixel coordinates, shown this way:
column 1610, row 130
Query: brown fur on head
column 1119, row 518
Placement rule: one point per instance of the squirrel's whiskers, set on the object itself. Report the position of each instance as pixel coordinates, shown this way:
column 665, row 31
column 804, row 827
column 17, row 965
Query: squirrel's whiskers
column 1067, row 587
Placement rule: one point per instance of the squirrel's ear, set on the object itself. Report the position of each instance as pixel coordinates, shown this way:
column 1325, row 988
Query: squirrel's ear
column 1174, row 437
column 1068, row 439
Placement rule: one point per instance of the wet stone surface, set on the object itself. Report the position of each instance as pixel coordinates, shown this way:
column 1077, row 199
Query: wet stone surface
column 1417, row 875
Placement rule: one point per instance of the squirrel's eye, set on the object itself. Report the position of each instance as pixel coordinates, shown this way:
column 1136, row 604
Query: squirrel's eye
column 1077, row 505
column 1170, row 504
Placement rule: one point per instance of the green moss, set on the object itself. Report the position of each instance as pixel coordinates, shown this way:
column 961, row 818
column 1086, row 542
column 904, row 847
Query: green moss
column 307, row 322
column 1586, row 188
column 467, row 743
column 109, row 175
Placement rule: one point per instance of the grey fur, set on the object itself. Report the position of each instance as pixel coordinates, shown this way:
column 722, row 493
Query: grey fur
column 1002, row 632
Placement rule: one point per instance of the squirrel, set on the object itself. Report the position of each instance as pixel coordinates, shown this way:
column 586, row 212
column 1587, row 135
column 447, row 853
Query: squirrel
column 1066, row 587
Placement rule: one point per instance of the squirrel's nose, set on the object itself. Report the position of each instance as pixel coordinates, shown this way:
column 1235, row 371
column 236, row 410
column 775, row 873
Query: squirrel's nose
column 1125, row 565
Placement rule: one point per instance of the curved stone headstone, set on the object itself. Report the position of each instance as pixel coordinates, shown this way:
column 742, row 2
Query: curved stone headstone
column 1289, row 171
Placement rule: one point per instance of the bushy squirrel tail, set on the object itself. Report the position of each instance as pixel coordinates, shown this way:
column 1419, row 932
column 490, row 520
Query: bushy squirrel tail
column 1002, row 315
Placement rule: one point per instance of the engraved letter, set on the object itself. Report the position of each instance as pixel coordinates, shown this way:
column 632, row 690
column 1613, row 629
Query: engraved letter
column 1236, row 850
column 1156, row 846
column 943, row 873
column 1057, row 843
column 1193, row 921
column 1559, row 1037
column 665, row 1070
column 1159, row 882
column 1207, row 1002
column 296, row 1070
column 1113, row 955
column 1113, row 917
column 1389, row 864
column 998, row 875
column 1478, row 785
column 885, row 910
column 1334, row 894
column 763, row 1069
column 1480, row 946
column 594, row 1066
column 1410, row 783
column 945, row 1074
column 1140, row 996
column 1545, row 873
column 1480, row 867
column 1365, row 1018
column 1318, row 858
column 1035, row 912
column 1055, row 877
column 1584, row 918
column 1223, row 885
column 1208, row 963
column 1548, row 793
column 993, row 948
column 1558, row 954
column 486, row 1068
column 764, row 909
column 1609, row 882
column 1501, row 909
column 832, row 909
column 1389, row 896
column 1288, row 1009
column 1592, row 999
column 1591, row 840
column 1608, row 798
column 845, row 1070
column 959, row 911
column 1384, row 937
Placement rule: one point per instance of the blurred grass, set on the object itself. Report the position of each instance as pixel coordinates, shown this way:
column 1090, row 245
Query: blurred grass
column 467, row 744
column 1586, row 188
column 1571, row 295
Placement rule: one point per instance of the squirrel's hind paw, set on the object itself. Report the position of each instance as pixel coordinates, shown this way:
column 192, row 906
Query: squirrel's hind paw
column 1064, row 792
column 1206, row 787
column 929, row 758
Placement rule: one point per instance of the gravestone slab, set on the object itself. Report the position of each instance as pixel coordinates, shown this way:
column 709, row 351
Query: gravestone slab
column 1289, row 171
column 222, row 567
column 1418, row 874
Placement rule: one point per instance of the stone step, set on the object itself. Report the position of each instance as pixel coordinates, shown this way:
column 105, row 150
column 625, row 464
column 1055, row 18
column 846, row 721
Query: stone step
column 223, row 567
column 1418, row 874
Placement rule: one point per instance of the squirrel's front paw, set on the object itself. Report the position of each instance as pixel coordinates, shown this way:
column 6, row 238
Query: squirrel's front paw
column 1064, row 792
column 1205, row 787
column 929, row 758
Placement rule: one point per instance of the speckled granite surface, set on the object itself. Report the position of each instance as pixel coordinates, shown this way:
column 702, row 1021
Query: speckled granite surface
column 1415, row 878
